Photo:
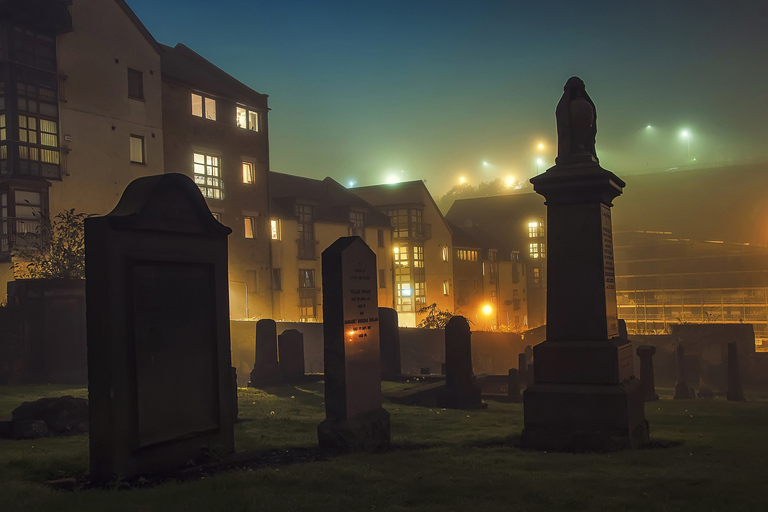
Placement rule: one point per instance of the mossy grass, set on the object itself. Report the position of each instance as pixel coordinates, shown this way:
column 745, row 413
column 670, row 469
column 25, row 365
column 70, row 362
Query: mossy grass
column 707, row 455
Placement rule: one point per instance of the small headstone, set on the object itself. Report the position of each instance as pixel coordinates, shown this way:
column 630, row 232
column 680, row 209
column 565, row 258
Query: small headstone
column 389, row 340
column 647, row 384
column 266, row 369
column 735, row 391
column 461, row 390
column 159, row 363
column 522, row 368
column 623, row 329
column 355, row 419
column 682, row 391
column 291, row 349
column 64, row 415
column 513, row 386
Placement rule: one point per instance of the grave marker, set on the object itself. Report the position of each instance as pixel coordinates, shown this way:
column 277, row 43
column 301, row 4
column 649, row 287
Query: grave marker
column 266, row 369
column 355, row 419
column 160, row 381
column 291, row 348
column 461, row 390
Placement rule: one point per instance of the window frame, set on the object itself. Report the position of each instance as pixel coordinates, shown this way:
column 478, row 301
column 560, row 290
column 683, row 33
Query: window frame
column 138, row 81
column 249, row 173
column 207, row 178
column 141, row 139
column 250, row 227
column 248, row 111
column 275, row 229
column 204, row 106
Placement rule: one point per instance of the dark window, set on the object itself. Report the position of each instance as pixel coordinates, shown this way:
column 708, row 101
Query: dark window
column 135, row 84
column 381, row 238
column 277, row 279
column 306, row 278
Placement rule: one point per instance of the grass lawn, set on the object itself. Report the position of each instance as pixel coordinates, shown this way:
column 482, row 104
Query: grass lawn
column 445, row 460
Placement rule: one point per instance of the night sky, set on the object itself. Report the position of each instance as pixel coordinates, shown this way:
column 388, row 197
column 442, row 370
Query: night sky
column 363, row 90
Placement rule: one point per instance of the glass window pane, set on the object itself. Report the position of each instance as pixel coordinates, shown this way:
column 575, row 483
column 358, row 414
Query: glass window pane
column 199, row 158
column 249, row 227
column 197, row 105
column 247, row 172
column 241, row 117
column 253, row 120
column 137, row 149
column 210, row 109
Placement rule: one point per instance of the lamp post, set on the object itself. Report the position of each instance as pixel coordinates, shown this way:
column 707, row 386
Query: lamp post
column 685, row 134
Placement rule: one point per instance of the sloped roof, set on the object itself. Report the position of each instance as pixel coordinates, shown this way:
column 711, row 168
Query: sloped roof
column 332, row 201
column 183, row 65
column 139, row 25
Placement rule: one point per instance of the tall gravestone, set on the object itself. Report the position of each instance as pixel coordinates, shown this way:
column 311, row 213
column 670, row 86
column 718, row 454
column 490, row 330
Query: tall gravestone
column 291, row 349
column 682, row 390
column 159, row 372
column 522, row 368
column 584, row 395
column 355, row 419
column 266, row 369
column 389, row 338
column 461, row 391
column 735, row 390
column 647, row 380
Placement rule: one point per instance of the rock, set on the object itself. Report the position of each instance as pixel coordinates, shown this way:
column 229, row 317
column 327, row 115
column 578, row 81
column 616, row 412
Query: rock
column 64, row 415
column 30, row 429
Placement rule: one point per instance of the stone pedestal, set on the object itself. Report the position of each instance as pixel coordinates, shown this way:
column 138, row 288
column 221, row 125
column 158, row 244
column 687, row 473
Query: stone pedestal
column 645, row 353
column 584, row 395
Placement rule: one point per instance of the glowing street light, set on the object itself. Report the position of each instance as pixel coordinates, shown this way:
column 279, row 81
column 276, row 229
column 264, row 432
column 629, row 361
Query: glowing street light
column 539, row 163
column 351, row 183
column 509, row 181
column 685, row 134
column 540, row 147
column 462, row 180
column 487, row 309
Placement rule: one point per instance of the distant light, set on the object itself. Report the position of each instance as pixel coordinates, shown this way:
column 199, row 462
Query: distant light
column 391, row 179
column 487, row 309
column 540, row 161
column 540, row 146
column 352, row 183
column 685, row 134
column 462, row 180
column 509, row 181
column 648, row 127
column 486, row 164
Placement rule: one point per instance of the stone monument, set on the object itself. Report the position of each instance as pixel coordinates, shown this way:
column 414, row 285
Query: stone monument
column 513, row 386
column 355, row 419
column 682, row 390
column 461, row 391
column 647, row 380
column 159, row 372
column 389, row 337
column 291, row 349
column 266, row 369
column 735, row 391
column 584, row 395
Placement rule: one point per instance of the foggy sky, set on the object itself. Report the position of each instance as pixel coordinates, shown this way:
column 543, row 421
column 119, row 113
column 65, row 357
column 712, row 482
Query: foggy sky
column 430, row 89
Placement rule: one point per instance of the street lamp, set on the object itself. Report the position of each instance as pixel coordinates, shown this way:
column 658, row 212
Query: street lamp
column 539, row 162
column 687, row 136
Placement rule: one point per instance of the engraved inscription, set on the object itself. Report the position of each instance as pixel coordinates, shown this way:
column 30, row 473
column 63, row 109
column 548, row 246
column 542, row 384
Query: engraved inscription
column 609, row 274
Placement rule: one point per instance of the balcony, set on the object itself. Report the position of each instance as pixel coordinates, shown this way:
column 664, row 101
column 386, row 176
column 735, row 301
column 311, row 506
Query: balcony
column 25, row 159
column 307, row 249
column 21, row 234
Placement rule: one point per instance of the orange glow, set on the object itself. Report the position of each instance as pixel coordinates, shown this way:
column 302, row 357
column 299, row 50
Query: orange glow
column 487, row 309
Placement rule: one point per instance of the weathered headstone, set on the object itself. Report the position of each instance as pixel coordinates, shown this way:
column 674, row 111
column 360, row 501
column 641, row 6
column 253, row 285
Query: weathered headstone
column 513, row 386
column 735, row 391
column 522, row 368
column 266, row 369
column 682, row 390
column 646, row 352
column 159, row 372
column 461, row 390
column 585, row 395
column 291, row 348
column 355, row 419
column 389, row 339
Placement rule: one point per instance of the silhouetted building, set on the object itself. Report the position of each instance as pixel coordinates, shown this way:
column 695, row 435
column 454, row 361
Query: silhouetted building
column 515, row 225
column 308, row 216
column 217, row 134
column 423, row 265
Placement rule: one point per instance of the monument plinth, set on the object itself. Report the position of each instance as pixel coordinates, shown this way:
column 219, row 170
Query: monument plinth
column 585, row 395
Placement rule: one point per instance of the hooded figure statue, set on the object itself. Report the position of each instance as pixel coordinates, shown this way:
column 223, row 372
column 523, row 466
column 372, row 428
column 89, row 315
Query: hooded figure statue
column 576, row 125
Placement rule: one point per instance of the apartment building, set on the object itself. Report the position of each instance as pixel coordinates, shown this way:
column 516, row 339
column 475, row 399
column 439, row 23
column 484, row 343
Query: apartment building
column 423, row 263
column 217, row 134
column 80, row 111
column 308, row 215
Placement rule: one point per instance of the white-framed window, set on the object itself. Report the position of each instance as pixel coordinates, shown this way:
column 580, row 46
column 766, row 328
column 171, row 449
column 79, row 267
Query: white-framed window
column 247, row 119
column 250, row 226
column 275, row 228
column 137, row 150
column 207, row 174
column 446, row 288
column 445, row 253
column 203, row 106
column 249, row 176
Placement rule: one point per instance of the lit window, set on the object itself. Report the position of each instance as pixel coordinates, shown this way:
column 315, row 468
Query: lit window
column 306, row 278
column 135, row 84
column 216, row 215
column 445, row 253
column 137, row 149
column 248, row 174
column 446, row 288
column 275, row 228
column 202, row 106
column 533, row 250
column 207, row 173
column 250, row 227
column 247, row 119
column 533, row 229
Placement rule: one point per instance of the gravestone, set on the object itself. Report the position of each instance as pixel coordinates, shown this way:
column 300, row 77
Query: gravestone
column 159, row 372
column 645, row 353
column 461, row 390
column 355, row 419
column 522, row 368
column 735, row 391
column 389, row 339
column 682, row 390
column 291, row 348
column 513, row 386
column 266, row 369
column 529, row 376
column 584, row 395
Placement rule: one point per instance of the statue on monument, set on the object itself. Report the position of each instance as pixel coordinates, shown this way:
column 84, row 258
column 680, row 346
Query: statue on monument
column 576, row 125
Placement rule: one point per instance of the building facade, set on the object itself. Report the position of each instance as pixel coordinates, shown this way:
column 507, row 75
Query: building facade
column 422, row 241
column 308, row 215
